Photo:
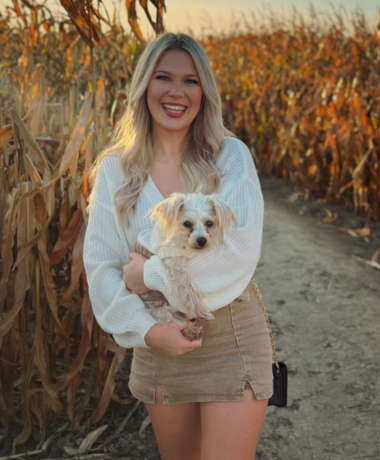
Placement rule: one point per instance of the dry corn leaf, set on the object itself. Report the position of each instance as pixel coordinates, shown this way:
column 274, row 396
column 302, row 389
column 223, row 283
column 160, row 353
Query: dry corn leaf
column 87, row 320
column 49, row 285
column 40, row 354
column 331, row 217
column 26, row 357
column 70, row 157
column 146, row 422
column 54, row 436
column 5, row 135
column 76, row 266
column 356, row 232
column 79, row 16
column 36, row 153
column 87, row 443
column 18, row 10
column 160, row 5
column 294, row 197
column 371, row 263
column 6, row 252
column 359, row 232
column 108, row 387
column 132, row 19
column 39, row 200
column 38, row 101
column 375, row 255
column 361, row 163
column 66, row 237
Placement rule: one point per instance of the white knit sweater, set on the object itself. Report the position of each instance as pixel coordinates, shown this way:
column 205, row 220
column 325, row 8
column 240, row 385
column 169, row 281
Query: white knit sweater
column 221, row 273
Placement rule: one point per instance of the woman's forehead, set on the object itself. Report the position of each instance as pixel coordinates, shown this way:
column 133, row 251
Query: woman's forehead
column 177, row 61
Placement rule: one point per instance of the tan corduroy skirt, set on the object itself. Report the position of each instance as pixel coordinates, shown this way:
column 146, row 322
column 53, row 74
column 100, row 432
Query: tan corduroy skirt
column 236, row 353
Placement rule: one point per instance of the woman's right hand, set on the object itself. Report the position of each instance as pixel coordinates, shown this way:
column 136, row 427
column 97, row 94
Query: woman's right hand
column 169, row 339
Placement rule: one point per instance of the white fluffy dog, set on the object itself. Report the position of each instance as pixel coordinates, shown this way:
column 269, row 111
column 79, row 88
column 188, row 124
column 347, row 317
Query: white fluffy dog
column 185, row 224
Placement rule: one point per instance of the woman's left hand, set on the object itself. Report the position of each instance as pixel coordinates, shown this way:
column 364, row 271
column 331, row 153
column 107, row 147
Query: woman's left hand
column 133, row 274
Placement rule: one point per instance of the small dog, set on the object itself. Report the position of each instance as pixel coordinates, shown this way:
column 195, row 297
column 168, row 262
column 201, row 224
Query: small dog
column 185, row 224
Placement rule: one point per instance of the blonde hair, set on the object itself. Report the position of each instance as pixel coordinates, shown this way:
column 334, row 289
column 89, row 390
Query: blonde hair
column 132, row 139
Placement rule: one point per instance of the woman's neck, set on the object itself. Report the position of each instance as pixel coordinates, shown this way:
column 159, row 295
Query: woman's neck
column 168, row 146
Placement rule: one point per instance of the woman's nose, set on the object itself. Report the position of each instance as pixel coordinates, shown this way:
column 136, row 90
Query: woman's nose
column 176, row 89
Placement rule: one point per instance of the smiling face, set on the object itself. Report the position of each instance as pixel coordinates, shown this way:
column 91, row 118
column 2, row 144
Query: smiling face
column 174, row 93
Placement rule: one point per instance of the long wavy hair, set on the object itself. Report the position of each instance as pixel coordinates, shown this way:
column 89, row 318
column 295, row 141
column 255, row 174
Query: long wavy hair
column 132, row 137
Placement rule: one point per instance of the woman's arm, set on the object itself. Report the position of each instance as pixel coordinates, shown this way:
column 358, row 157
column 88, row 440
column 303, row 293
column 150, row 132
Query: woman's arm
column 236, row 259
column 117, row 311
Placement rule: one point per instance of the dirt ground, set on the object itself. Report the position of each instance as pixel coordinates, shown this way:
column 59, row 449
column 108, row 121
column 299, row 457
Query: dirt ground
column 324, row 306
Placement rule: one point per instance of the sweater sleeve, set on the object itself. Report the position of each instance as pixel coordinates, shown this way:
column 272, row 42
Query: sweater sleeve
column 236, row 259
column 116, row 310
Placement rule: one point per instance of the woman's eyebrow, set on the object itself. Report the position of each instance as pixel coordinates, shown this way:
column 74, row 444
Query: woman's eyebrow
column 169, row 73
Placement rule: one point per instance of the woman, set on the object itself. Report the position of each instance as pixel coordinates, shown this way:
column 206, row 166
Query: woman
column 206, row 398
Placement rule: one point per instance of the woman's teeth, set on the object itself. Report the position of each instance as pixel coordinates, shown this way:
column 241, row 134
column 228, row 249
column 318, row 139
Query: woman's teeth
column 171, row 108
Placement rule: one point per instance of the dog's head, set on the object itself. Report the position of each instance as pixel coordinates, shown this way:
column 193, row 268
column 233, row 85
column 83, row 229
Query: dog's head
column 193, row 220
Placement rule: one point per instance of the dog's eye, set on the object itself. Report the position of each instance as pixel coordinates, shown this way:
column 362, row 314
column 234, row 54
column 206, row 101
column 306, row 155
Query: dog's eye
column 187, row 224
column 209, row 223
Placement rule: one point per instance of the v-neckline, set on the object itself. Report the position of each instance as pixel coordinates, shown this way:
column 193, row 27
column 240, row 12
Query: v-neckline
column 153, row 192
column 157, row 195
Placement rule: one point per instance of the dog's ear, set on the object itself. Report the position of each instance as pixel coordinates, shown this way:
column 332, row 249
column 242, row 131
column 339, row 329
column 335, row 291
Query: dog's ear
column 166, row 212
column 168, row 208
column 225, row 217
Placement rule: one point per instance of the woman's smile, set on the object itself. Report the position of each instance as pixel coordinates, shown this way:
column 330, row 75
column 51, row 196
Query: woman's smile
column 174, row 110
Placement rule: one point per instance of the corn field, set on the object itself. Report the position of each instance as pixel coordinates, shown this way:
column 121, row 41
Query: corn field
column 306, row 100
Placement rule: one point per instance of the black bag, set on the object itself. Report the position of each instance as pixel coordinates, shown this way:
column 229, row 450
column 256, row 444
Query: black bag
column 280, row 385
column 280, row 371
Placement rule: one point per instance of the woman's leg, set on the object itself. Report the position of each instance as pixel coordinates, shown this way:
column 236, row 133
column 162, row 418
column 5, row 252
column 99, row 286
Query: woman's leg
column 177, row 428
column 231, row 429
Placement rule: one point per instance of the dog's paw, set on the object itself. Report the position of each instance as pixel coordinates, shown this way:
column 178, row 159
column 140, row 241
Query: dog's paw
column 207, row 316
column 192, row 332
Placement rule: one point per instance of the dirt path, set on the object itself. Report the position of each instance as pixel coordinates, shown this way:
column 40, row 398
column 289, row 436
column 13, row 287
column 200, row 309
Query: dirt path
column 325, row 312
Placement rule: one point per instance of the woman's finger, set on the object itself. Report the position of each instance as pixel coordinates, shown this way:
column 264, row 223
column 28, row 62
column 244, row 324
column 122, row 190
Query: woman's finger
column 188, row 324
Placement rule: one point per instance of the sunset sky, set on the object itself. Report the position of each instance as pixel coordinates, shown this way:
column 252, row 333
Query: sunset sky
column 220, row 14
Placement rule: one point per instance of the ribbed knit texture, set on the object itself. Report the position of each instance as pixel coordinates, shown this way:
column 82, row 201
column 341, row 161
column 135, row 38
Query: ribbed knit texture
column 221, row 273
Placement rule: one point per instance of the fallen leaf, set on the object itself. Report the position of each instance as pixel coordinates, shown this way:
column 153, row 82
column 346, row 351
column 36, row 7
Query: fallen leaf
column 144, row 424
column 87, row 442
column 371, row 263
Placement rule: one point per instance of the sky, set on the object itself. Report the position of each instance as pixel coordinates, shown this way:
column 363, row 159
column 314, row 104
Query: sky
column 220, row 15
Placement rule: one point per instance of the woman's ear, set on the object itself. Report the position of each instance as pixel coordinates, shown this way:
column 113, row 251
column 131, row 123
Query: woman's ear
column 225, row 217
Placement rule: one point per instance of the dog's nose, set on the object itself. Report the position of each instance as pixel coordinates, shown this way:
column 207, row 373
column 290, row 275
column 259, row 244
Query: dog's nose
column 201, row 241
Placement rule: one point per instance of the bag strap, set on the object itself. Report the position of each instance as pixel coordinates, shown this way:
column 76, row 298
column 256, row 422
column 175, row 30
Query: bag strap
column 267, row 319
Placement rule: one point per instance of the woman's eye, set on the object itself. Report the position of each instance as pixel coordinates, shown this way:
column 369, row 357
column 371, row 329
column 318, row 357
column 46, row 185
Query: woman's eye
column 187, row 224
column 209, row 223
column 166, row 78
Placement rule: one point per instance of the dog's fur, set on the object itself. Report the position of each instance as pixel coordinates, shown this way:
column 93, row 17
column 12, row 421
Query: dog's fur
column 184, row 225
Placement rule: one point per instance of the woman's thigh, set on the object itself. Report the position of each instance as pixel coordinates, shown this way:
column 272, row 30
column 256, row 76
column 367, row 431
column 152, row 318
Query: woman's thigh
column 231, row 429
column 177, row 428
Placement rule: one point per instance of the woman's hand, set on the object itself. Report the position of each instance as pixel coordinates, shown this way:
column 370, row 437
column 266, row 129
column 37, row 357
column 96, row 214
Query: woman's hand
column 133, row 274
column 169, row 339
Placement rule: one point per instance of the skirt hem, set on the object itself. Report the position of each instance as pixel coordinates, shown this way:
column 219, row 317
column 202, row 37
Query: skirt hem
column 259, row 395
